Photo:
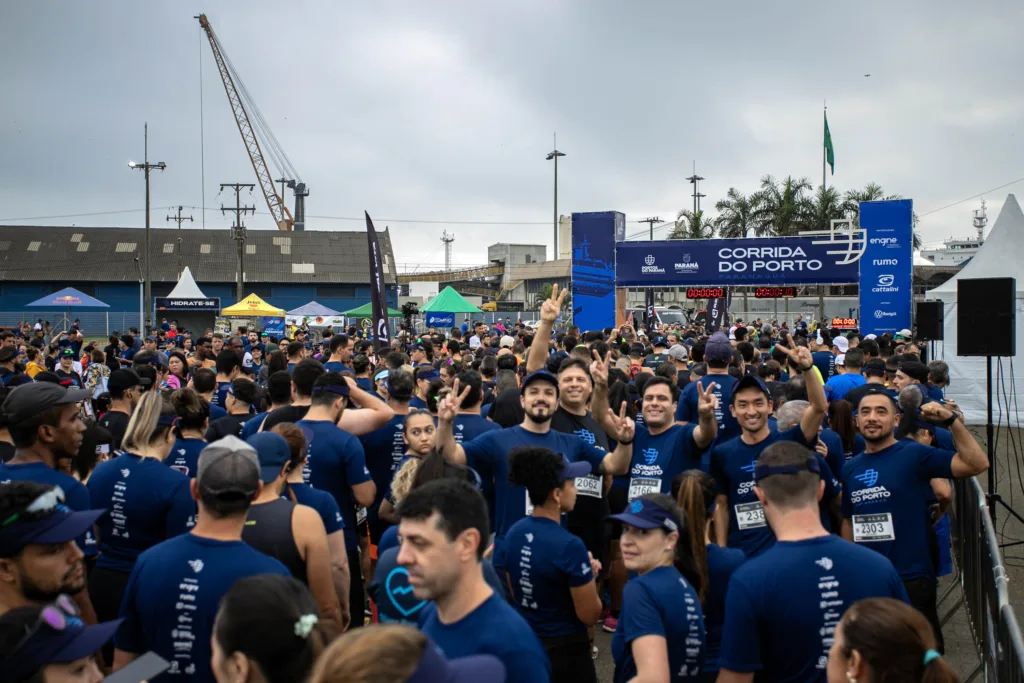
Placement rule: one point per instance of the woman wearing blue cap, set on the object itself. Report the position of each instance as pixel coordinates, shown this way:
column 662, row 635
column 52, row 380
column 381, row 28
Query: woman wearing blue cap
column 660, row 633
column 51, row 644
column 550, row 572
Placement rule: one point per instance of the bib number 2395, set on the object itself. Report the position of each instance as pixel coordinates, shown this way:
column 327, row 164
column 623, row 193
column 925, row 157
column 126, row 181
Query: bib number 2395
column 873, row 528
column 641, row 486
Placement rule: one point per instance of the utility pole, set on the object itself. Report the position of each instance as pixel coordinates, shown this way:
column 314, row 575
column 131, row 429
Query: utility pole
column 146, row 167
column 179, row 218
column 447, row 239
column 695, row 181
column 651, row 222
column 554, row 154
column 238, row 230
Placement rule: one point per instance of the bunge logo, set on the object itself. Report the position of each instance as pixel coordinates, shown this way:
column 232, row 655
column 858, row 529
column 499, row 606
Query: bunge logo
column 869, row 478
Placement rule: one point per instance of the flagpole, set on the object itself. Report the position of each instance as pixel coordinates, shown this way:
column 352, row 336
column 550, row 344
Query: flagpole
column 824, row 150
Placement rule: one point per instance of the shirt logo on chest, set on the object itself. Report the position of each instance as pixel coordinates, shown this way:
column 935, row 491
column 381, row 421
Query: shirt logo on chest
column 749, row 468
column 650, row 455
column 869, row 478
column 586, row 435
column 197, row 565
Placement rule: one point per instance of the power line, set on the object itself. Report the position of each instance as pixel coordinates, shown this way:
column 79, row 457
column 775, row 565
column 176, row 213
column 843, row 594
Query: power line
column 949, row 206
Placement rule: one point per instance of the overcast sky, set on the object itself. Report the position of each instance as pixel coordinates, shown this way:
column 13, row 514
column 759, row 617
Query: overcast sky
column 445, row 110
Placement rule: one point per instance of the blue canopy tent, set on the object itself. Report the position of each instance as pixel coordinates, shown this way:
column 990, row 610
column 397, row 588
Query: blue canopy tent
column 65, row 300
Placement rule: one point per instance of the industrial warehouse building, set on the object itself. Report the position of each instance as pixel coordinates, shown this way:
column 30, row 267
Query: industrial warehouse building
column 286, row 269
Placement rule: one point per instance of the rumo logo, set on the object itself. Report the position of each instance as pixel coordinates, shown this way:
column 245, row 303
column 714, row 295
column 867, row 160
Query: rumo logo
column 884, row 262
column 884, row 241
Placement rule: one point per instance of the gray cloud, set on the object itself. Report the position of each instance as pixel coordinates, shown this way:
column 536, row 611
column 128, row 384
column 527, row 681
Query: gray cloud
column 445, row 110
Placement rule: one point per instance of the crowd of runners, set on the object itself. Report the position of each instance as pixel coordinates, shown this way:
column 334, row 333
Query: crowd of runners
column 762, row 503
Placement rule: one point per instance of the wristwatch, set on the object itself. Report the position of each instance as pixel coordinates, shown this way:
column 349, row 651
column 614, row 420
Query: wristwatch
column 949, row 422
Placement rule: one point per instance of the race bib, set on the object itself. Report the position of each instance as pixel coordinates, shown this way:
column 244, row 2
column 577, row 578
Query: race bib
column 589, row 486
column 749, row 516
column 873, row 528
column 360, row 515
column 641, row 486
column 529, row 505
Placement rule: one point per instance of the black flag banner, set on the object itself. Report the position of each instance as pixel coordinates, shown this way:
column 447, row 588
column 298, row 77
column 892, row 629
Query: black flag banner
column 381, row 334
column 717, row 312
column 649, row 314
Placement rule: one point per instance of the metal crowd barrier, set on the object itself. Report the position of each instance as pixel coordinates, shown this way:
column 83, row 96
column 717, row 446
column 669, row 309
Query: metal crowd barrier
column 982, row 579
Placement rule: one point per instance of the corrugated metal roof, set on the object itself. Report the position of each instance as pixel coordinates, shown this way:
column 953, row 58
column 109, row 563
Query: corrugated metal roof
column 320, row 257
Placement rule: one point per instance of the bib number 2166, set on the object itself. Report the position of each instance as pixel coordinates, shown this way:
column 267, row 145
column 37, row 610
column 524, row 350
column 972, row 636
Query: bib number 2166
column 641, row 486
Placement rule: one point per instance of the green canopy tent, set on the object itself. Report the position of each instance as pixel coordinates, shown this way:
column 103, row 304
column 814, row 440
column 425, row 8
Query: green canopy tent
column 442, row 309
column 366, row 311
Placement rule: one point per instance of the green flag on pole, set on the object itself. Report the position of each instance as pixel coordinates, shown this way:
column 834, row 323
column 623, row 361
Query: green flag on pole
column 829, row 152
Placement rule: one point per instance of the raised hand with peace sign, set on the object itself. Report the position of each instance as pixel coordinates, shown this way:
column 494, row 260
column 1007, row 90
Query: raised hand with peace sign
column 449, row 406
column 707, row 401
column 625, row 427
column 550, row 309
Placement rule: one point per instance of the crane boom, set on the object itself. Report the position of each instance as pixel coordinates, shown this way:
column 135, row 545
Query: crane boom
column 282, row 216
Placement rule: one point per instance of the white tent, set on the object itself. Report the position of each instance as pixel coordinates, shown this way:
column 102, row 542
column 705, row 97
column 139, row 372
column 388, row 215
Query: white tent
column 186, row 287
column 999, row 256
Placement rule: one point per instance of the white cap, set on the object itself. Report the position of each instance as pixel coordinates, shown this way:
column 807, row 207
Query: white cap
column 841, row 343
column 507, row 342
column 871, row 336
column 841, row 360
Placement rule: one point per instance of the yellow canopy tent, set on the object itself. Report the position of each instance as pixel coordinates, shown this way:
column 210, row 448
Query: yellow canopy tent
column 251, row 306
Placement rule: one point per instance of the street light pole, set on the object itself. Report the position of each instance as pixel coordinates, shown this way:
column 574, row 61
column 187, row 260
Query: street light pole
column 554, row 154
column 146, row 167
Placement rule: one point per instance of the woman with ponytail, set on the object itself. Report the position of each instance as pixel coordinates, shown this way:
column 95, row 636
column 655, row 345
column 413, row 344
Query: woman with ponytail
column 267, row 631
column 715, row 564
column 193, row 418
column 881, row 640
column 147, row 501
column 660, row 632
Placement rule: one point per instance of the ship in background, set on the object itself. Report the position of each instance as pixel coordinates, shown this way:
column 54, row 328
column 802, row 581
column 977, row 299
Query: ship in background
column 957, row 251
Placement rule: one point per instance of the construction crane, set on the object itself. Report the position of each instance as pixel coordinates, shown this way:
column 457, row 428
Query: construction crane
column 243, row 106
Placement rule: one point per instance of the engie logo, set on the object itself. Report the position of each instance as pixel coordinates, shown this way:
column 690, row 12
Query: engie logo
column 884, row 241
column 649, row 266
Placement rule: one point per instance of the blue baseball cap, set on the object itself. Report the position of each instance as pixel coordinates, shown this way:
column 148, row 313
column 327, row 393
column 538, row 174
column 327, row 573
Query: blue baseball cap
column 718, row 348
column 273, row 453
column 57, row 640
column 750, row 382
column 571, row 470
column 643, row 513
column 540, row 376
column 434, row 668
column 53, row 524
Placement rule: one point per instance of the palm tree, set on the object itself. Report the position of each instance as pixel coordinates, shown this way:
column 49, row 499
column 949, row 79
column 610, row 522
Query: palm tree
column 780, row 208
column 736, row 215
column 692, row 226
column 824, row 207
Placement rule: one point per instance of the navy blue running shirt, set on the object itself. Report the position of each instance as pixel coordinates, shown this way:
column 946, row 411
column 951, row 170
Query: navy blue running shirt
column 783, row 606
column 544, row 562
column 488, row 455
column 493, row 628
column 657, row 460
column 172, row 598
column 660, row 603
column 686, row 410
column 886, row 497
column 184, row 456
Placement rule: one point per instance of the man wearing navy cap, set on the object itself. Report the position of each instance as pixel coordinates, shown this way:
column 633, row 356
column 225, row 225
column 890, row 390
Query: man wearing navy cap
column 739, row 515
column 489, row 452
column 39, row 558
column 717, row 354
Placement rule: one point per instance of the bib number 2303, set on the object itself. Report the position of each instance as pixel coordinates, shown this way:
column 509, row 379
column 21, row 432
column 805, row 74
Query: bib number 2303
column 641, row 486
column 873, row 528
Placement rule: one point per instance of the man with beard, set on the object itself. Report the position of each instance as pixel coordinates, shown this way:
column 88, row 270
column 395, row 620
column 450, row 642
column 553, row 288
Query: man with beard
column 488, row 454
column 887, row 490
column 39, row 558
column 739, row 515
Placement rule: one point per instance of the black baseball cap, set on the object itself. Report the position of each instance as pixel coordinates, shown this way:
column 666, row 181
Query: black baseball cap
column 7, row 354
column 914, row 370
column 28, row 400
column 750, row 382
column 659, row 341
column 68, row 352
column 123, row 379
column 637, row 348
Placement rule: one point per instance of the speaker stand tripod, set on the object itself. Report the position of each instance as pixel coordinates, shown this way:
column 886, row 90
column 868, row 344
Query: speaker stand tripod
column 993, row 497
